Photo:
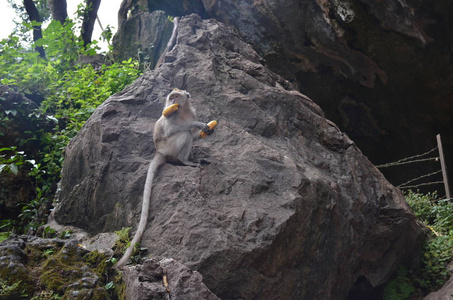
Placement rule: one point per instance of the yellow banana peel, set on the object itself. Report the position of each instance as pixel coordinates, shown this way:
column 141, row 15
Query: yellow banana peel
column 170, row 109
column 211, row 126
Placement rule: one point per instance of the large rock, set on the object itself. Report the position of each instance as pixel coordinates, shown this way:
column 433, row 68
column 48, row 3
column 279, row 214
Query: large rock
column 144, row 35
column 381, row 70
column 289, row 208
column 32, row 266
column 446, row 292
column 147, row 282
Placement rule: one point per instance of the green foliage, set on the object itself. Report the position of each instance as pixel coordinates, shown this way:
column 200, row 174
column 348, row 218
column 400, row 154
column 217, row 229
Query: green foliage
column 437, row 253
column 11, row 159
column 97, row 261
column 123, row 234
column 123, row 241
column 435, row 213
column 6, row 226
column 437, row 250
column 48, row 232
column 8, row 290
column 400, row 287
column 107, row 34
column 109, row 285
column 422, row 205
column 65, row 234
column 69, row 91
column 3, row 236
column 47, row 295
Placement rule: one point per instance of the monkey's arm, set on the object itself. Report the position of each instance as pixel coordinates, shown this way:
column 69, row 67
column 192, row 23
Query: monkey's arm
column 208, row 131
column 186, row 127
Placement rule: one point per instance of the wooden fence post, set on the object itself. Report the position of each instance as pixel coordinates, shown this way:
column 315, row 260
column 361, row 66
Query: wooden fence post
column 443, row 166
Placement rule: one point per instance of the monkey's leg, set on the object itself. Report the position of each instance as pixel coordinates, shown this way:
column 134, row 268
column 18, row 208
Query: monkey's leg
column 198, row 160
column 185, row 149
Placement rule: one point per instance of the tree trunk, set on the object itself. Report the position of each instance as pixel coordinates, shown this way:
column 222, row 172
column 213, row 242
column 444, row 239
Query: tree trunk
column 59, row 10
column 89, row 18
column 33, row 15
column 122, row 12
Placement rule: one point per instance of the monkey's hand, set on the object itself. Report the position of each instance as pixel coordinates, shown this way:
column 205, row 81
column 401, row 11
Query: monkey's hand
column 170, row 109
column 208, row 129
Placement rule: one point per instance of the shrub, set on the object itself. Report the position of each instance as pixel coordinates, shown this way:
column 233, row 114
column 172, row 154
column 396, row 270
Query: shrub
column 437, row 251
column 67, row 92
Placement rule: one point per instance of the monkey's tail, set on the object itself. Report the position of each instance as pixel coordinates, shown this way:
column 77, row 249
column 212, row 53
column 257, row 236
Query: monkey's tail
column 154, row 165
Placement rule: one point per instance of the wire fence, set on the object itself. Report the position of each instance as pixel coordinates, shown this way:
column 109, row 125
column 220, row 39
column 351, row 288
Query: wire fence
column 421, row 181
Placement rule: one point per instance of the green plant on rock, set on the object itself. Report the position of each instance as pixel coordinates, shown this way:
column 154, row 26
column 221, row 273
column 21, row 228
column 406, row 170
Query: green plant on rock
column 67, row 93
column 8, row 290
column 47, row 295
column 98, row 262
column 422, row 205
column 122, row 243
column 400, row 287
column 437, row 251
column 4, row 236
column 437, row 254
column 123, row 234
column 11, row 160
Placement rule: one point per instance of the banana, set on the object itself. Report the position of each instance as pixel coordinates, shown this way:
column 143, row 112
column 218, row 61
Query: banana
column 170, row 109
column 211, row 126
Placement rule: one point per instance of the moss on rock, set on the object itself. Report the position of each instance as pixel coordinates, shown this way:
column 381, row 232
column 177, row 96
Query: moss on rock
column 34, row 268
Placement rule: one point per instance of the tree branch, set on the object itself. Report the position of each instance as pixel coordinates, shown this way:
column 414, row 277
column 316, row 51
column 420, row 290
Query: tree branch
column 59, row 10
column 33, row 15
column 89, row 18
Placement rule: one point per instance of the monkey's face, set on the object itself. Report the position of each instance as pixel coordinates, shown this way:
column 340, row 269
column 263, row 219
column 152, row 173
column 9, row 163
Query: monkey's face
column 178, row 96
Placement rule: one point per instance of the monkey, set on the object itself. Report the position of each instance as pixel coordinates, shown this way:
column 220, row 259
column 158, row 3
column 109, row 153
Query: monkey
column 173, row 138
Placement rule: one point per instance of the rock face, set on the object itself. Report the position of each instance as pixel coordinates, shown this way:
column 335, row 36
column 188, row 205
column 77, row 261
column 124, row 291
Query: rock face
column 381, row 70
column 146, row 282
column 289, row 207
column 144, row 35
column 31, row 266
column 445, row 292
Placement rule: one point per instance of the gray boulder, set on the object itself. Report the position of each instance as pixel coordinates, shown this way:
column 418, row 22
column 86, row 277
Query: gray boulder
column 147, row 282
column 144, row 35
column 289, row 207
column 381, row 70
column 446, row 292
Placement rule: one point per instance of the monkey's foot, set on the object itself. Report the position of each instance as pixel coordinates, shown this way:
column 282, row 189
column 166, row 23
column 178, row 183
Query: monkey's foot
column 208, row 130
column 170, row 109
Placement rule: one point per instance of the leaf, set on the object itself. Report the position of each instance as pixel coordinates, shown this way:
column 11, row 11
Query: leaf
column 113, row 260
column 11, row 111
column 109, row 285
column 14, row 169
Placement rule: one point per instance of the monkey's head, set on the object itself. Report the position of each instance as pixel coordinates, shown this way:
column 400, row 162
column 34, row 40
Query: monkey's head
column 177, row 96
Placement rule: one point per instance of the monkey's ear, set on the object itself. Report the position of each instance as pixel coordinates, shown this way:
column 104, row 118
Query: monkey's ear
column 188, row 95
